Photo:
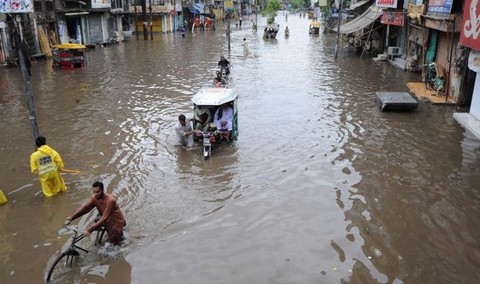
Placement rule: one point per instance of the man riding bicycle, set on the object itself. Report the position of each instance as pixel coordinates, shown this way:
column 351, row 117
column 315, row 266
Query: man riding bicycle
column 111, row 217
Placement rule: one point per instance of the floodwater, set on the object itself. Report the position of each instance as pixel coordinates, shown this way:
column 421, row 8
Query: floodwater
column 320, row 187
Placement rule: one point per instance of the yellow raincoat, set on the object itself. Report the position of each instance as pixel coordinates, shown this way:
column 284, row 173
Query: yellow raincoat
column 47, row 163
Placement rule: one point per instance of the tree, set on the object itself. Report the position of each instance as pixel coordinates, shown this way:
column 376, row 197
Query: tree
column 270, row 10
column 297, row 4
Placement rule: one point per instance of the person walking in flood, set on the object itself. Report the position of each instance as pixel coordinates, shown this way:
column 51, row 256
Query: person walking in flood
column 184, row 132
column 246, row 51
column 47, row 164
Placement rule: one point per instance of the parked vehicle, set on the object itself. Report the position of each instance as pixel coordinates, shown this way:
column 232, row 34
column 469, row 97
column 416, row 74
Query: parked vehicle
column 212, row 99
column 69, row 55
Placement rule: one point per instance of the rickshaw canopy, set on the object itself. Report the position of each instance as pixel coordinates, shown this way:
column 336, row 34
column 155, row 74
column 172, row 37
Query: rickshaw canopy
column 214, row 96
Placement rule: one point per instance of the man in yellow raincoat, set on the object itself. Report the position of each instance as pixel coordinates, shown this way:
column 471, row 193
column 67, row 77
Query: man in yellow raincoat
column 47, row 163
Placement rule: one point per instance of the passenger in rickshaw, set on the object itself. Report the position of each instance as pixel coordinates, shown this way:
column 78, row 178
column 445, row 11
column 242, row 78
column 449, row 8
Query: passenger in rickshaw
column 220, row 78
column 202, row 118
column 223, row 121
column 217, row 83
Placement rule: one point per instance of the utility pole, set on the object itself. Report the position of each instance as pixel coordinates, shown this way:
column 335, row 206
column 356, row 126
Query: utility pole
column 338, row 30
column 22, row 54
column 256, row 18
column 136, row 17
column 228, row 30
column 174, row 16
column 144, row 19
column 151, row 18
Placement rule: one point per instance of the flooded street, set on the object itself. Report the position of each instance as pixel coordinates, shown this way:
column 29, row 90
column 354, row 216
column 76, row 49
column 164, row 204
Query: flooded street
column 320, row 187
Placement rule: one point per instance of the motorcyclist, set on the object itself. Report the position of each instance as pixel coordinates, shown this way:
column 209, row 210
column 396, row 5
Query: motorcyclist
column 224, row 64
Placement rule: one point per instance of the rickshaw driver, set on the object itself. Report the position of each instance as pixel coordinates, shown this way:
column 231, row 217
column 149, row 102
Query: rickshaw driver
column 224, row 63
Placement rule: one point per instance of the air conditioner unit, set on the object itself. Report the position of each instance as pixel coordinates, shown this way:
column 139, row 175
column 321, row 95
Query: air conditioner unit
column 394, row 50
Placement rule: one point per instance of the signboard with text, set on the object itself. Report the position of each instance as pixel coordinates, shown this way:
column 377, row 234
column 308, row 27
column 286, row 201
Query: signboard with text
column 228, row 5
column 386, row 3
column 440, row 6
column 470, row 32
column 99, row 4
column 16, row 6
column 392, row 18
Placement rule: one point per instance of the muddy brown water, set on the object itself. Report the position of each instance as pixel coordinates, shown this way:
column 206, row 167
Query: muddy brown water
column 320, row 187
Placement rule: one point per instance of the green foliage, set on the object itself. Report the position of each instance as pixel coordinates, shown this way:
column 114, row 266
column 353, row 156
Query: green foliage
column 297, row 4
column 270, row 10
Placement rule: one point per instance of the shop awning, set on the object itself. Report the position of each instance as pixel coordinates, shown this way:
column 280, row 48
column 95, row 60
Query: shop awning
column 358, row 4
column 365, row 19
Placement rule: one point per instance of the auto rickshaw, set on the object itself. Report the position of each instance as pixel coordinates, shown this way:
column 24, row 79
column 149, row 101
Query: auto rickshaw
column 314, row 28
column 69, row 55
column 211, row 99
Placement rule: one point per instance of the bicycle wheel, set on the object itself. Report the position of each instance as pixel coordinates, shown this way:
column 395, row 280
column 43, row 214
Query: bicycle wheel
column 58, row 265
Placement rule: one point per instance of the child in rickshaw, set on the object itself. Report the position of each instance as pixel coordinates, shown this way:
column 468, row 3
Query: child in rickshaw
column 224, row 132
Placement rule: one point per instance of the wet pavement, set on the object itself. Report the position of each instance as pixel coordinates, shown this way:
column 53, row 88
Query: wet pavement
column 320, row 187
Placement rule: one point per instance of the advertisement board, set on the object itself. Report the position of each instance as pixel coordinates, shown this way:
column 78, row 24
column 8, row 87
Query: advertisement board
column 99, row 4
column 469, row 34
column 392, row 18
column 439, row 6
column 228, row 5
column 16, row 6
column 386, row 3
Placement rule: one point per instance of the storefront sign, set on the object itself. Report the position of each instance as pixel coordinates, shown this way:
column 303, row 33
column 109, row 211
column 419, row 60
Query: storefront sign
column 386, row 3
column 440, row 6
column 99, row 4
column 392, row 18
column 16, row 6
column 228, row 5
column 469, row 34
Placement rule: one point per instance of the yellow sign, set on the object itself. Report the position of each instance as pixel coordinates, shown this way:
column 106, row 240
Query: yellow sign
column 322, row 3
column 228, row 5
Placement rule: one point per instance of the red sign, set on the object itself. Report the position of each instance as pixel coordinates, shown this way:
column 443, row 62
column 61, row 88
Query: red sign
column 392, row 18
column 386, row 3
column 470, row 33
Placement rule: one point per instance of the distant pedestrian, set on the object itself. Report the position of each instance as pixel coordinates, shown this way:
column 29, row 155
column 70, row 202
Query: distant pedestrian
column 246, row 50
column 47, row 163
column 240, row 22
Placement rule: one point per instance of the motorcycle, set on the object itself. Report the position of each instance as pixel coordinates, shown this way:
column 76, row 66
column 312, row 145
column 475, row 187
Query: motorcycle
column 434, row 77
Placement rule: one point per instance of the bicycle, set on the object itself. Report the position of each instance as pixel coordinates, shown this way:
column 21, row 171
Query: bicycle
column 72, row 250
